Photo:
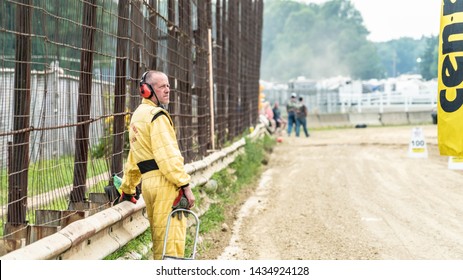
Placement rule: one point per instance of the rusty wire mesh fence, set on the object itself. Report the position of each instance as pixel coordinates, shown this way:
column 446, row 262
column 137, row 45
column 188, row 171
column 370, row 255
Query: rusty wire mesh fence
column 69, row 73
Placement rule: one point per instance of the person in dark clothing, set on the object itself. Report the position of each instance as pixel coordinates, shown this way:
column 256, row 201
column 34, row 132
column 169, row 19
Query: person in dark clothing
column 291, row 108
column 301, row 118
column 280, row 122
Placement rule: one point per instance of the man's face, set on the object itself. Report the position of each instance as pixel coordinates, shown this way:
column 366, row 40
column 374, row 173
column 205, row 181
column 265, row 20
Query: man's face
column 162, row 88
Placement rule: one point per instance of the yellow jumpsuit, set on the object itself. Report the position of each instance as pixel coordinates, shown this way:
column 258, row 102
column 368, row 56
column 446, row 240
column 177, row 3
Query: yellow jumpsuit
column 155, row 159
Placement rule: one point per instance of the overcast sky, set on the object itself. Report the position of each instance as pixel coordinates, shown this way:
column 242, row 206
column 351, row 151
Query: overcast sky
column 392, row 19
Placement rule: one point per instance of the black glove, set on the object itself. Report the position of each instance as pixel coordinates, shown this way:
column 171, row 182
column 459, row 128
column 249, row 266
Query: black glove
column 181, row 202
column 127, row 197
column 137, row 192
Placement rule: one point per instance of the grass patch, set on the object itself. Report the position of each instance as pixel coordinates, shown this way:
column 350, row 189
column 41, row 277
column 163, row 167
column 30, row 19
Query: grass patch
column 212, row 218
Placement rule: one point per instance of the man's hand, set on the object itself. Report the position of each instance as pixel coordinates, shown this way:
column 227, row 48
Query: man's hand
column 181, row 202
column 184, row 200
column 190, row 196
column 127, row 197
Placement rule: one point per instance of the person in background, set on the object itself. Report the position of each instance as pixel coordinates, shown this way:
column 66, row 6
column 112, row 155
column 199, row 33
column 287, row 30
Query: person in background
column 267, row 118
column 279, row 121
column 155, row 159
column 291, row 108
column 301, row 118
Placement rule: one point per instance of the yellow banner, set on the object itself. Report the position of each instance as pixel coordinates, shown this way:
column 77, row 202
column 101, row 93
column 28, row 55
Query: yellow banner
column 450, row 79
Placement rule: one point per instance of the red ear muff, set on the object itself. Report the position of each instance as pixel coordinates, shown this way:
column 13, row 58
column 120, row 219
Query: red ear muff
column 145, row 89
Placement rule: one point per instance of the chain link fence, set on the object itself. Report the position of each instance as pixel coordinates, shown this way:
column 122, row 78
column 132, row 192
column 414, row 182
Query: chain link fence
column 69, row 78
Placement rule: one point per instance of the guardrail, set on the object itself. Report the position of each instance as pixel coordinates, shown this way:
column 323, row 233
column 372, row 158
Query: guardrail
column 100, row 234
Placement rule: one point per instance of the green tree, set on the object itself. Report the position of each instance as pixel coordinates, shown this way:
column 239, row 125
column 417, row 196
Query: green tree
column 428, row 63
column 401, row 56
column 316, row 41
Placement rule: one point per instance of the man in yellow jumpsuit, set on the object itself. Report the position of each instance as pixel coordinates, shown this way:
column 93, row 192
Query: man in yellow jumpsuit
column 155, row 159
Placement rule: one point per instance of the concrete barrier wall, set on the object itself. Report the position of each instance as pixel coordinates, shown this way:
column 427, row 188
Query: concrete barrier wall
column 419, row 117
column 336, row 120
column 369, row 118
column 313, row 121
column 364, row 118
column 394, row 118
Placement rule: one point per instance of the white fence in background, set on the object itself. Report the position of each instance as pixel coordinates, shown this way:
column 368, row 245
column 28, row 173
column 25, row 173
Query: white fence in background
column 386, row 101
column 327, row 102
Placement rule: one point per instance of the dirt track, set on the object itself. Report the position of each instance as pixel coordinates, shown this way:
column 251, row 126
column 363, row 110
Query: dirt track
column 352, row 194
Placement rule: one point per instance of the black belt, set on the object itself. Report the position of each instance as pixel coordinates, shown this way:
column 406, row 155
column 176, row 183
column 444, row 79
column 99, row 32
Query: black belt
column 147, row 165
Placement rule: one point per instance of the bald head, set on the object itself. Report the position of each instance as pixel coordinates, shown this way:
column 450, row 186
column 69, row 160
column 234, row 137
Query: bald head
column 160, row 84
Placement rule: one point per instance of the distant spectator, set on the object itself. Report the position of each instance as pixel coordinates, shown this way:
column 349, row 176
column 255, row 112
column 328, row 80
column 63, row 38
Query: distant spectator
column 267, row 117
column 279, row 121
column 301, row 118
column 291, row 108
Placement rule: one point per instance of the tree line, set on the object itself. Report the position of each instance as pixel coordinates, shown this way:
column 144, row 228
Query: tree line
column 330, row 39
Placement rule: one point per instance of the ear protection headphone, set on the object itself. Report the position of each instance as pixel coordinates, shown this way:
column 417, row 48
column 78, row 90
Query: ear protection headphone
column 146, row 90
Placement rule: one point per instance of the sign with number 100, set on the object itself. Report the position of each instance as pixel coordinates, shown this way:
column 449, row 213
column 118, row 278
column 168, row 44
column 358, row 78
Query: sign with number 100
column 418, row 143
column 450, row 79
column 417, row 147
